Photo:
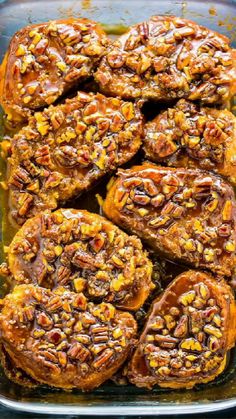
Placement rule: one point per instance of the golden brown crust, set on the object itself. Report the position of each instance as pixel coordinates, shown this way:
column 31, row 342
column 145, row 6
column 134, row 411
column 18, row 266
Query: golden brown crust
column 194, row 137
column 186, row 215
column 84, row 253
column 66, row 148
column 169, row 58
column 190, row 328
column 45, row 60
column 61, row 340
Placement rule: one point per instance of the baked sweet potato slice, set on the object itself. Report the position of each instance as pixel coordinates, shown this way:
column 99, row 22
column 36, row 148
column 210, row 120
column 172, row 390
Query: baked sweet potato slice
column 194, row 137
column 169, row 58
column 44, row 61
column 82, row 252
column 61, row 339
column 188, row 333
column 65, row 149
column 186, row 215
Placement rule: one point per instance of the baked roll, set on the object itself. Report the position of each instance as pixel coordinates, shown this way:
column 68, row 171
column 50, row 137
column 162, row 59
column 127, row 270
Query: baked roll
column 84, row 253
column 169, row 58
column 193, row 136
column 185, row 215
column 46, row 60
column 189, row 331
column 61, row 339
column 66, row 148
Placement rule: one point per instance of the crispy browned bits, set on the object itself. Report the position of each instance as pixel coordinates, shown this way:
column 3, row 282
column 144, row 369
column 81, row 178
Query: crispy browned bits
column 46, row 60
column 186, row 215
column 194, row 137
column 84, row 253
column 61, row 339
column 169, row 58
column 66, row 148
column 190, row 328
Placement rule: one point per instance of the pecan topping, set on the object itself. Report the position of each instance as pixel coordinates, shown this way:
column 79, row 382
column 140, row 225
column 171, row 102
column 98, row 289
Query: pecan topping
column 192, row 136
column 73, row 146
column 55, row 60
column 191, row 218
column 82, row 252
column 68, row 355
column 194, row 351
column 169, row 58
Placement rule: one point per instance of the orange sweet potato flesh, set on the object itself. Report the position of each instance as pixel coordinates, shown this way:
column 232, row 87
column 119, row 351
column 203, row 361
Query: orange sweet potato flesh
column 189, row 330
column 167, row 58
column 82, row 252
column 195, row 137
column 44, row 61
column 61, row 339
column 65, row 149
column 186, row 215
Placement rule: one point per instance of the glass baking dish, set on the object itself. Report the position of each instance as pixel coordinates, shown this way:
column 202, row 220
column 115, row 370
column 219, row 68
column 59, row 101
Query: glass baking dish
column 111, row 399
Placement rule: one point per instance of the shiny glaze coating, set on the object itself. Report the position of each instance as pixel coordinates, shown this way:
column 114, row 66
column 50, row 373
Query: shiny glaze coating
column 189, row 330
column 186, row 215
column 84, row 253
column 169, row 58
column 61, row 339
column 195, row 137
column 66, row 148
column 46, row 60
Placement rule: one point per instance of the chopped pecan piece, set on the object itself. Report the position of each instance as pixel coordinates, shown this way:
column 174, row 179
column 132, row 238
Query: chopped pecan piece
column 197, row 354
column 194, row 221
column 194, row 137
column 169, row 58
column 58, row 357
column 64, row 254
column 46, row 60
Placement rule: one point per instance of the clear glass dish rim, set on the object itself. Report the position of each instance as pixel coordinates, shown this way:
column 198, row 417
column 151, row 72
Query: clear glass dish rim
column 119, row 410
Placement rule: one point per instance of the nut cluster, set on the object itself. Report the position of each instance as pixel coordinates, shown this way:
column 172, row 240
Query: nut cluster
column 195, row 331
column 84, row 253
column 46, row 60
column 66, row 148
column 169, row 58
column 194, row 137
column 185, row 339
column 187, row 215
column 62, row 339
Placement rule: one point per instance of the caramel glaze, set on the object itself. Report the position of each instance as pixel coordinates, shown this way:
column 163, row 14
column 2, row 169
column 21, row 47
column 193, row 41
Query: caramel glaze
column 186, row 215
column 63, row 340
column 169, row 58
column 82, row 252
column 46, row 60
column 193, row 136
column 189, row 330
